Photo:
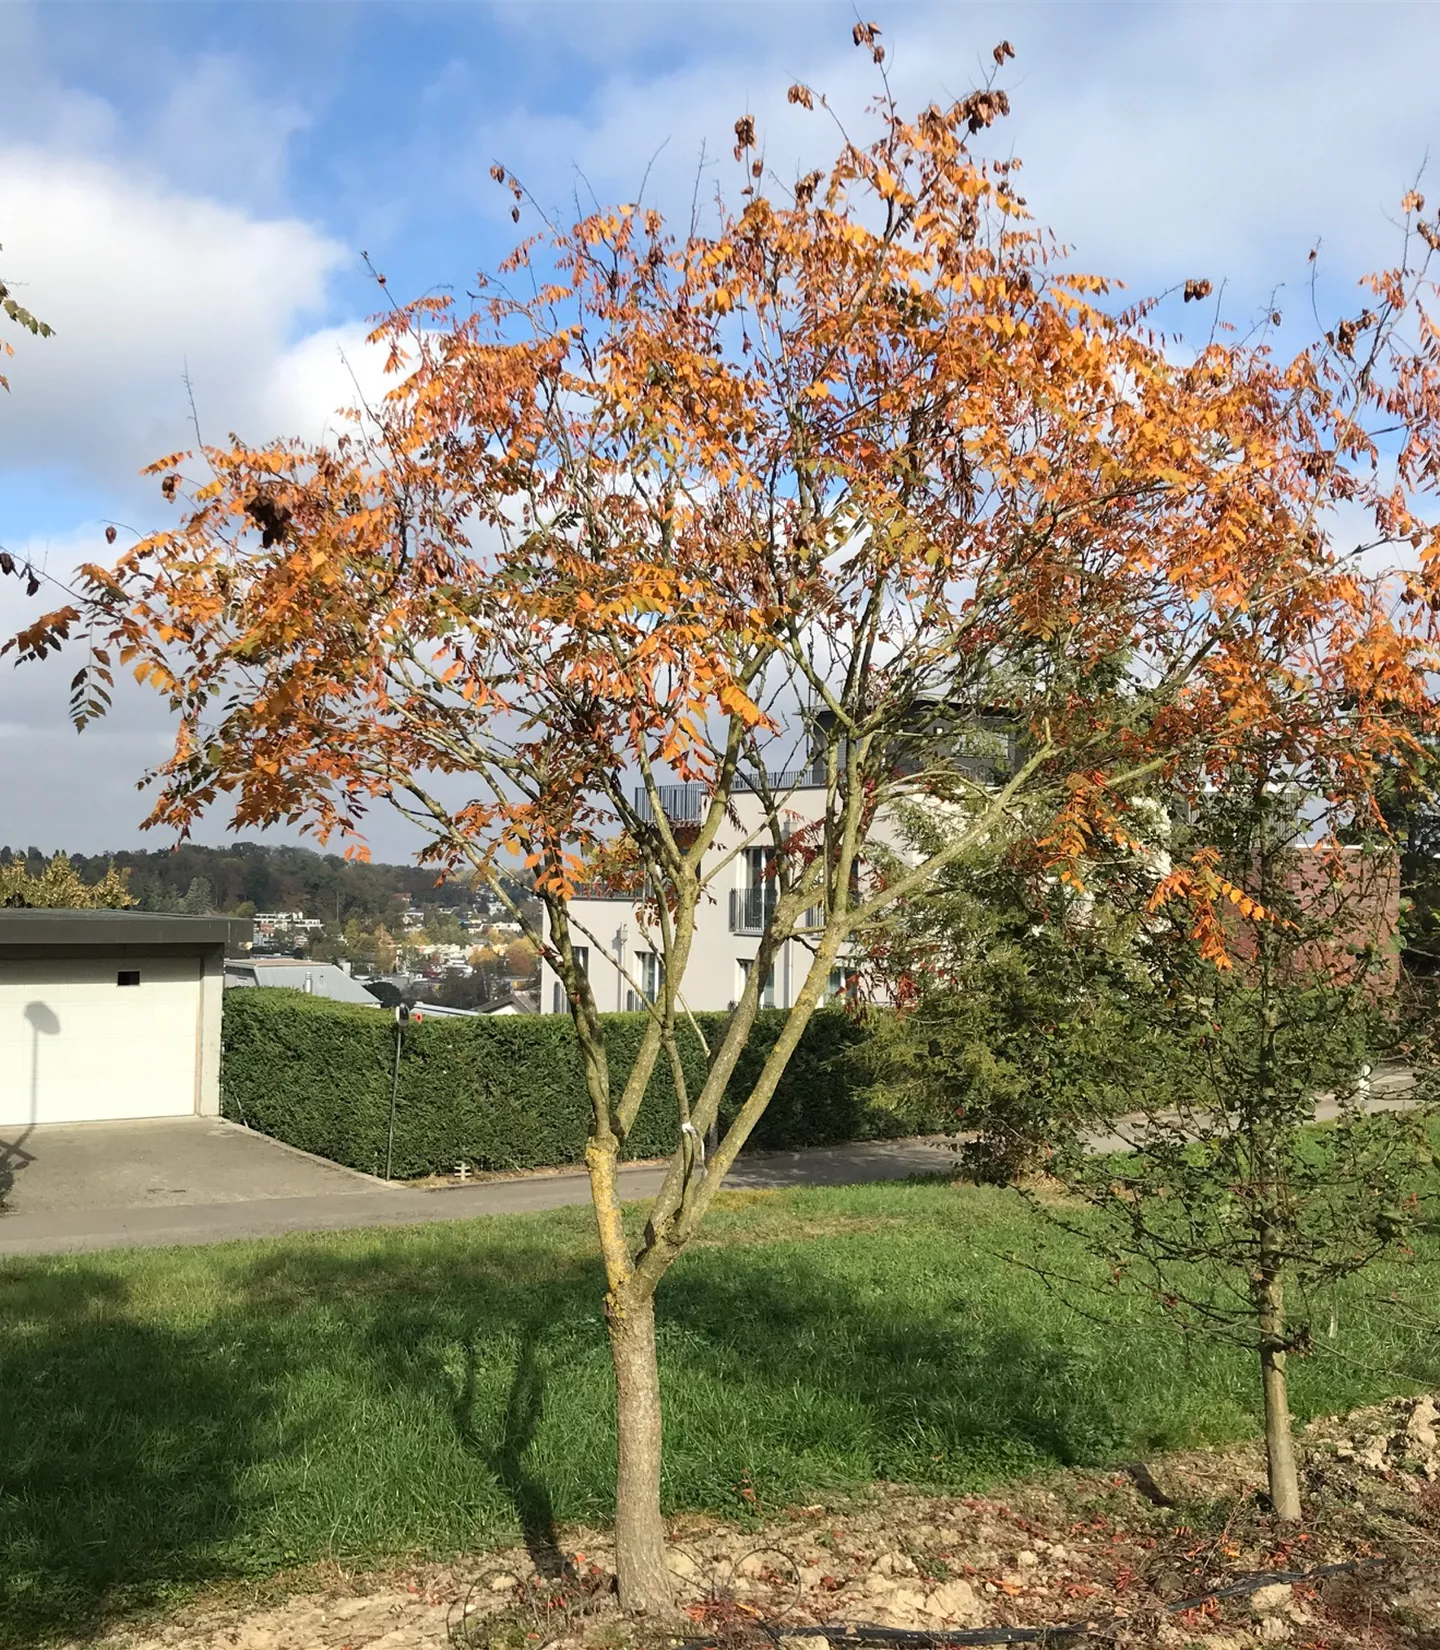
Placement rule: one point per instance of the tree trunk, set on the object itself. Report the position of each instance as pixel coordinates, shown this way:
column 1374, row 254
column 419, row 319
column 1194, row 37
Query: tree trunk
column 640, row 1568
column 1279, row 1436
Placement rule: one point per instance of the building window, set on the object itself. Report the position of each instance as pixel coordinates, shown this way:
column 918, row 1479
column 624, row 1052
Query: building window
column 128, row 976
column 753, row 904
column 767, row 988
column 560, row 998
column 843, row 986
column 650, row 970
column 759, row 867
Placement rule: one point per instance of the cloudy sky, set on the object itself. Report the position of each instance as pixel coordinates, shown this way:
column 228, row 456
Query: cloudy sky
column 186, row 192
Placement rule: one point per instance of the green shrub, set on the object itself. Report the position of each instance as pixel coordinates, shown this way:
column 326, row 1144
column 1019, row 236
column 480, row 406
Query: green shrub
column 503, row 1092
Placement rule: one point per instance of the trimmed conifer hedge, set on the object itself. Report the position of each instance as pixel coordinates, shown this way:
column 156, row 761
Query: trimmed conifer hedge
column 502, row 1092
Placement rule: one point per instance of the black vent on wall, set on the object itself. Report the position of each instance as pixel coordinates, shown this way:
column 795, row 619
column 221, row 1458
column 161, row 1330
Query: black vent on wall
column 128, row 976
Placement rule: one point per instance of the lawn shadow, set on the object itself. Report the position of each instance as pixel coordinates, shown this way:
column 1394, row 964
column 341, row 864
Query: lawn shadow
column 967, row 1389
column 122, row 1443
column 511, row 1344
column 506, row 1456
column 431, row 1326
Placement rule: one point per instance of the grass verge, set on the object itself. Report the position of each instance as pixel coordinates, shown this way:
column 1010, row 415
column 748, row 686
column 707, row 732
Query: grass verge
column 176, row 1417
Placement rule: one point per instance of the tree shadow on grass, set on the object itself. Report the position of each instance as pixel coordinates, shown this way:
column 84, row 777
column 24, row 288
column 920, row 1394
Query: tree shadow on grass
column 121, row 1446
column 960, row 1393
column 506, row 1455
column 473, row 1336
column 765, row 1358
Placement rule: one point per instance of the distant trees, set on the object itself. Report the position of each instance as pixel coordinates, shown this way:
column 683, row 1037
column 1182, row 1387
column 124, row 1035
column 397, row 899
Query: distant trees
column 328, row 946
column 453, row 990
column 59, row 886
column 274, row 878
column 444, row 927
column 199, row 900
column 372, row 950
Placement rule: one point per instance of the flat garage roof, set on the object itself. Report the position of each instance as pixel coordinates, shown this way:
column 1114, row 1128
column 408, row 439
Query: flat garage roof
column 36, row 928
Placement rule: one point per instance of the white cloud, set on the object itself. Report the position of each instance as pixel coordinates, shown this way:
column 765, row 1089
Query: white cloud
column 211, row 128
column 206, row 121
column 144, row 286
column 1160, row 141
column 320, row 374
column 65, row 790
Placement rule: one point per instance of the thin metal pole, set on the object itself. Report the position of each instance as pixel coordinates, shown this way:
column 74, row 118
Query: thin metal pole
column 394, row 1089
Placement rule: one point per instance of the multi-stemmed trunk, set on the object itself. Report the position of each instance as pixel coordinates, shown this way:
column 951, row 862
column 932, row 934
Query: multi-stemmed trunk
column 696, row 1171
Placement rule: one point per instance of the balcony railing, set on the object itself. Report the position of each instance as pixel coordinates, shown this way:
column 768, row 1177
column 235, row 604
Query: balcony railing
column 606, row 890
column 686, row 804
column 783, row 779
column 681, row 804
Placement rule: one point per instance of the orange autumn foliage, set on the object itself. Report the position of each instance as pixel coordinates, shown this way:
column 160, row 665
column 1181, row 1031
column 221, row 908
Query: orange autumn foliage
column 582, row 516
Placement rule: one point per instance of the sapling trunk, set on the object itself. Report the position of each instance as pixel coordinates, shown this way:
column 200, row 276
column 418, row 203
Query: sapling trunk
column 640, row 1569
column 1284, row 1482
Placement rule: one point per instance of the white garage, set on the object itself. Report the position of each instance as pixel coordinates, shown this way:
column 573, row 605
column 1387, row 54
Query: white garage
column 109, row 1014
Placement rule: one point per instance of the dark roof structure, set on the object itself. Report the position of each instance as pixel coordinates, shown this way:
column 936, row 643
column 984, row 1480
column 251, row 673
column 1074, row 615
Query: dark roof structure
column 138, row 929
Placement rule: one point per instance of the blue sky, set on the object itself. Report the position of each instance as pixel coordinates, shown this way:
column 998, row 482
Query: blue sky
column 187, row 188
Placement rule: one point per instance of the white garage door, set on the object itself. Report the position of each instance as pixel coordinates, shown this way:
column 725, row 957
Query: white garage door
column 97, row 1038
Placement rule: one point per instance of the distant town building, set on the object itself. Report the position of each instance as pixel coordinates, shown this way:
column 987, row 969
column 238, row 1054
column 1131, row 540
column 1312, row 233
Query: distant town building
column 270, row 923
column 314, row 979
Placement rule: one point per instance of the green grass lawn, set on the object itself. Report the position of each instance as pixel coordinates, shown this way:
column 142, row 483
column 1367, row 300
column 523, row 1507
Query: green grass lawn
column 172, row 1417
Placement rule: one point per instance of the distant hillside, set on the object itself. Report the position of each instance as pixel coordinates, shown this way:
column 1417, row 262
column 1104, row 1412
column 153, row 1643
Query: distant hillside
column 326, row 886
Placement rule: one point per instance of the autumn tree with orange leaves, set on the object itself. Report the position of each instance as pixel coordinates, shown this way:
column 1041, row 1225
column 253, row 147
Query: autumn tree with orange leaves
column 863, row 456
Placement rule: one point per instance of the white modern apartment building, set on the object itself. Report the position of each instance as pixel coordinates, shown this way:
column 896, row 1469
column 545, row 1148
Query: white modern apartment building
column 621, row 954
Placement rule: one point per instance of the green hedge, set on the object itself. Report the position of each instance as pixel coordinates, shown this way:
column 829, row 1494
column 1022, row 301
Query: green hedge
column 502, row 1093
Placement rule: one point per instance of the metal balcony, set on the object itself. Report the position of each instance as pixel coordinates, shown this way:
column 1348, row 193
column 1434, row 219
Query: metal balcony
column 686, row 804
column 681, row 804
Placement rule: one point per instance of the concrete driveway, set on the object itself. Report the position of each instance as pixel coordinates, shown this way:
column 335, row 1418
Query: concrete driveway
column 62, row 1169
